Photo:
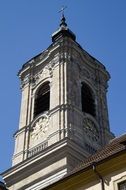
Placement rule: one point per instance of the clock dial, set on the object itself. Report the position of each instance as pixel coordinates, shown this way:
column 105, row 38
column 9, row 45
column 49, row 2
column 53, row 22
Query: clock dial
column 91, row 129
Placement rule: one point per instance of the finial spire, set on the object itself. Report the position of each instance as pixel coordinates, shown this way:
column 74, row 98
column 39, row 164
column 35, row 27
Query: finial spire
column 63, row 30
column 63, row 19
column 62, row 11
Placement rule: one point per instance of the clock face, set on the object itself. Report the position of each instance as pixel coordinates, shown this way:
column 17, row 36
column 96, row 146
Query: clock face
column 91, row 129
column 39, row 130
column 40, row 127
column 38, row 135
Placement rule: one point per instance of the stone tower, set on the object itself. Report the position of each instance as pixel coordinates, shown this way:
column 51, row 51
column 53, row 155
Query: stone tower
column 64, row 114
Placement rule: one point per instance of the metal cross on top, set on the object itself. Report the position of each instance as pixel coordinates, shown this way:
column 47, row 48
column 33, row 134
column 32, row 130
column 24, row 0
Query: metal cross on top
column 62, row 10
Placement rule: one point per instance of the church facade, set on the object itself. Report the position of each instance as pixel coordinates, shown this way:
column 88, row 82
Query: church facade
column 64, row 113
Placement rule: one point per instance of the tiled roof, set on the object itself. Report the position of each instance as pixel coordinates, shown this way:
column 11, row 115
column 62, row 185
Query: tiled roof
column 115, row 146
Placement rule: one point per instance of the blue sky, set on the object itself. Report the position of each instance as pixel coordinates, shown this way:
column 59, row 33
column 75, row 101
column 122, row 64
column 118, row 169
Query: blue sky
column 25, row 31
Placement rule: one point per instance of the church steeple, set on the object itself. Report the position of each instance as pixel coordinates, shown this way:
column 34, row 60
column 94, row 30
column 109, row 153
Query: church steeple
column 63, row 31
column 64, row 115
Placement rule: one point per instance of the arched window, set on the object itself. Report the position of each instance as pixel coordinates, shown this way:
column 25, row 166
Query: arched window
column 87, row 100
column 42, row 99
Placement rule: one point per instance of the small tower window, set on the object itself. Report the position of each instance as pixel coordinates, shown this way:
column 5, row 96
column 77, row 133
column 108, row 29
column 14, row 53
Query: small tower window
column 42, row 99
column 87, row 100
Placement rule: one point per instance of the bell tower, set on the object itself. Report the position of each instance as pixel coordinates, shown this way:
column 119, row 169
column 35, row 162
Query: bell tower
column 64, row 113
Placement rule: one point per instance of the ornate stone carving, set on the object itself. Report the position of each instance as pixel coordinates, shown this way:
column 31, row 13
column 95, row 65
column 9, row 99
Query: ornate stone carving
column 40, row 127
column 86, row 74
column 83, row 72
column 91, row 129
column 50, row 68
column 47, row 71
column 41, row 75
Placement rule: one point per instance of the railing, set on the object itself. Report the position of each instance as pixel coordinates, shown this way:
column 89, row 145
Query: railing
column 37, row 149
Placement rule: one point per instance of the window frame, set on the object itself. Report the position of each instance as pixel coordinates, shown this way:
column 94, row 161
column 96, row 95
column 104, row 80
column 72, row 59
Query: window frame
column 38, row 97
column 119, row 181
column 92, row 96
